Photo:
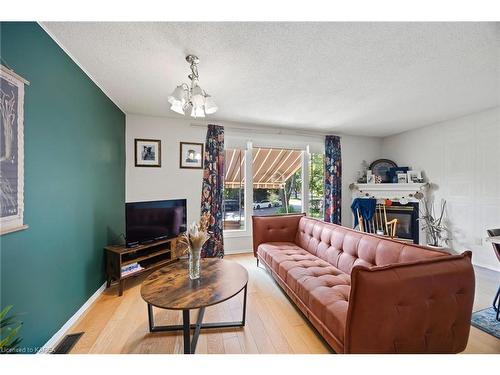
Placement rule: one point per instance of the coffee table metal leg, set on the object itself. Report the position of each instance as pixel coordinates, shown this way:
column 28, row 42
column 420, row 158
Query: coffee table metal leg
column 150, row 318
column 186, row 331
column 244, row 306
column 197, row 329
column 190, row 344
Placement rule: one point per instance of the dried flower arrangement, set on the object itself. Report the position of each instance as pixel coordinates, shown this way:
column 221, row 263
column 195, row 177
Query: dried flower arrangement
column 192, row 241
column 195, row 237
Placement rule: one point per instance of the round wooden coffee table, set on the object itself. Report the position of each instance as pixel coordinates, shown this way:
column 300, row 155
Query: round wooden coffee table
column 171, row 288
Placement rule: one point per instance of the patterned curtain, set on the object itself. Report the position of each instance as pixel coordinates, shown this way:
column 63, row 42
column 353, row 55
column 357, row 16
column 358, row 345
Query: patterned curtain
column 212, row 190
column 333, row 179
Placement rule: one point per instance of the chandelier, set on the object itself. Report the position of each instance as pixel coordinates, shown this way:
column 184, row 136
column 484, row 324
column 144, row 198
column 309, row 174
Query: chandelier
column 192, row 97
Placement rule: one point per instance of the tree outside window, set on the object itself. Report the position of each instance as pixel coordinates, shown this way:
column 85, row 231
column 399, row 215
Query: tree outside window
column 316, row 185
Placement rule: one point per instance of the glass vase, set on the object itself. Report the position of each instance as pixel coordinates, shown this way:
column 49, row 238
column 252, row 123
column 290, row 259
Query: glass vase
column 194, row 263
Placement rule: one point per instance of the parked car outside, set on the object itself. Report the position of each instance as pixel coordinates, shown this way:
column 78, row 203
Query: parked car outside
column 231, row 205
column 262, row 204
column 277, row 203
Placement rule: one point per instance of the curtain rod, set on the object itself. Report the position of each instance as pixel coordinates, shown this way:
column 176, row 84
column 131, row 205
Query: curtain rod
column 285, row 131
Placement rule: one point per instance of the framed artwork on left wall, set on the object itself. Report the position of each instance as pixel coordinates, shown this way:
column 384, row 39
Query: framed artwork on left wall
column 147, row 152
column 11, row 151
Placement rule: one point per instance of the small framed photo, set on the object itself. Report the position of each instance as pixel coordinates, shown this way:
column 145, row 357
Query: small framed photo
column 414, row 177
column 191, row 155
column 370, row 177
column 147, row 152
column 402, row 178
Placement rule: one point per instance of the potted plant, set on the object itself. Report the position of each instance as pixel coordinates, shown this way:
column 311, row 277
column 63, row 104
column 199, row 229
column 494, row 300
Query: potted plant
column 433, row 224
column 9, row 329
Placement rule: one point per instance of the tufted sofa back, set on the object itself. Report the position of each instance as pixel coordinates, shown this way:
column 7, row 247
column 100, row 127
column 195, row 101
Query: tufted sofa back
column 345, row 248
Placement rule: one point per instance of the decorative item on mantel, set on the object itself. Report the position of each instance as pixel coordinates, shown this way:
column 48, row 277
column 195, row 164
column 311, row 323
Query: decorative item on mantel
column 370, row 177
column 193, row 240
column 381, row 168
column 434, row 225
column 394, row 172
column 402, row 178
column 415, row 177
column 402, row 193
column 362, row 173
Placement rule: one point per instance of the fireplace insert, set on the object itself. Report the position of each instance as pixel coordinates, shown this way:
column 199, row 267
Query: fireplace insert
column 407, row 216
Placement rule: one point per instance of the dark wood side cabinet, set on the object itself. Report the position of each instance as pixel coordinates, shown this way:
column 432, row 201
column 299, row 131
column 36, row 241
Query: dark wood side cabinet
column 150, row 256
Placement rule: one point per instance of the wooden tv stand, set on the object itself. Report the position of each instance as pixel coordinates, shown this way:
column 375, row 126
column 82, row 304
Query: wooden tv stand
column 150, row 256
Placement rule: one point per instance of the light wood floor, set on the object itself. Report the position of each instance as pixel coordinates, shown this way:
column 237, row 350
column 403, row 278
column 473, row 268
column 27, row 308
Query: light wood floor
column 119, row 324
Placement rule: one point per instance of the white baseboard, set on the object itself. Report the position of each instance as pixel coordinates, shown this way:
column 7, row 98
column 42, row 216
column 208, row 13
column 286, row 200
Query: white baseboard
column 239, row 251
column 485, row 266
column 51, row 344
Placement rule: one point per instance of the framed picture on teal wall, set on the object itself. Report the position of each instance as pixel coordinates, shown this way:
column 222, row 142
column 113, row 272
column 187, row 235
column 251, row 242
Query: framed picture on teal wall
column 11, row 151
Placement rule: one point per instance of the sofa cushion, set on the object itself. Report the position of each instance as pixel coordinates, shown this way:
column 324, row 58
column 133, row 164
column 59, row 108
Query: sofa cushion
column 323, row 288
column 325, row 293
column 275, row 253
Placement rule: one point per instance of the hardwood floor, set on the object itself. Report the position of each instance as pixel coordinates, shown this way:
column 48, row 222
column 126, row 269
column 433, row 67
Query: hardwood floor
column 119, row 324
column 487, row 282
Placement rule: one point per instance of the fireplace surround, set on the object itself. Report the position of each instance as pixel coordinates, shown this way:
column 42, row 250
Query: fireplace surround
column 404, row 207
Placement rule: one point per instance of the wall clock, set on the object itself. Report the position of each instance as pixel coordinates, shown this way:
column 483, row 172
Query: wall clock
column 380, row 168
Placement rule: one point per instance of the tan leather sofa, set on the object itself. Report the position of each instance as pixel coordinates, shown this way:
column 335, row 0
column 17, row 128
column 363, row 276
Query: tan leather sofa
column 368, row 294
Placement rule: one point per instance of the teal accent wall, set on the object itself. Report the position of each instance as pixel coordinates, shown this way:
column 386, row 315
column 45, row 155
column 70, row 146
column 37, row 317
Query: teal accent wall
column 74, row 185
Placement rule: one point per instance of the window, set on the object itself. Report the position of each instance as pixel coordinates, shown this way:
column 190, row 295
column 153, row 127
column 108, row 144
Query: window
column 234, row 190
column 277, row 184
column 277, row 181
column 316, row 185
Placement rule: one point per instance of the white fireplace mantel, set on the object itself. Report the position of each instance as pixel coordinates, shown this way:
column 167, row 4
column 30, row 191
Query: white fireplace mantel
column 388, row 191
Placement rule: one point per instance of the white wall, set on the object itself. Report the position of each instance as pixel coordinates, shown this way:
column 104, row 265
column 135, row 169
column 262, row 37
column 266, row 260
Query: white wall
column 169, row 181
column 462, row 157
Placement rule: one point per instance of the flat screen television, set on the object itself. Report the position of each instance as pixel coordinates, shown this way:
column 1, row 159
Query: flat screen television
column 154, row 220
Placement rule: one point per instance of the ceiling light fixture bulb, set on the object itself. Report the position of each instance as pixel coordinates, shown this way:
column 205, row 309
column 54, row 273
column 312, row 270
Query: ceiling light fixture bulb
column 178, row 96
column 210, row 106
column 177, row 107
column 197, row 112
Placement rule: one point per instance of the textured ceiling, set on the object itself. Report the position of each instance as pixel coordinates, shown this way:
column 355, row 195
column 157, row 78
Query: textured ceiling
column 352, row 78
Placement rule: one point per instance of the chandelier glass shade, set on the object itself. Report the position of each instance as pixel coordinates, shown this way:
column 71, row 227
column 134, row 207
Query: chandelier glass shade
column 192, row 98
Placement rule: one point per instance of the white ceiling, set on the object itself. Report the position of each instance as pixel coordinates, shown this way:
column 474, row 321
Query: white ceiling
column 353, row 78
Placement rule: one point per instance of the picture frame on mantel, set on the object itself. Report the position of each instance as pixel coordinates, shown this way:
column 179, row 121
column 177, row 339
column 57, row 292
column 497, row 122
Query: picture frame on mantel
column 191, row 155
column 147, row 152
column 414, row 177
column 402, row 178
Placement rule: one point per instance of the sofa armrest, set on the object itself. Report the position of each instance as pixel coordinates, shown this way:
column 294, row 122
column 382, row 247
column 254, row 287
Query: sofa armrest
column 418, row 307
column 275, row 228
